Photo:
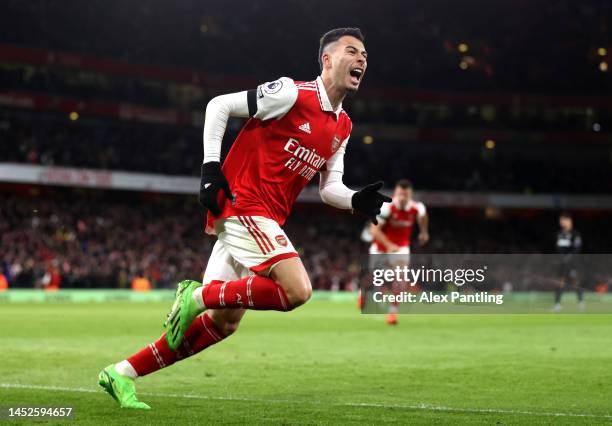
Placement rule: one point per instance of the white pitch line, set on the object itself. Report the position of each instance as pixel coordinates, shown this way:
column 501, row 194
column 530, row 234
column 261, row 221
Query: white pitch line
column 422, row 407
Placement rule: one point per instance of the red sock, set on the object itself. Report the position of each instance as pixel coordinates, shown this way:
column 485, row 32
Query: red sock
column 253, row 292
column 200, row 334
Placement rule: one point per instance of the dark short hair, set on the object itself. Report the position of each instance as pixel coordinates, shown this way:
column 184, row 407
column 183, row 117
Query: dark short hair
column 566, row 214
column 404, row 183
column 333, row 36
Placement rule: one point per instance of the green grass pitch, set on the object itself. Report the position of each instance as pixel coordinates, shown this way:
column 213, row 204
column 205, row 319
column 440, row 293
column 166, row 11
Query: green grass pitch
column 322, row 364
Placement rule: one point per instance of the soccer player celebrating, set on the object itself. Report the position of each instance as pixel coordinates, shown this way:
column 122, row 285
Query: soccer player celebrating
column 295, row 129
column 392, row 235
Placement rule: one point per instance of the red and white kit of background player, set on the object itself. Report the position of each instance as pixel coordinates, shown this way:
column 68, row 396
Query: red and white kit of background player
column 295, row 130
column 393, row 233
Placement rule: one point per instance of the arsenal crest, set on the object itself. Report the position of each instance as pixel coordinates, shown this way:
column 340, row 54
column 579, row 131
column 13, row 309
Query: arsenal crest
column 281, row 240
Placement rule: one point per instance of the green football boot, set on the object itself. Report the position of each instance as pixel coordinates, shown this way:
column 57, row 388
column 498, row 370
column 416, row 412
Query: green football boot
column 184, row 311
column 121, row 388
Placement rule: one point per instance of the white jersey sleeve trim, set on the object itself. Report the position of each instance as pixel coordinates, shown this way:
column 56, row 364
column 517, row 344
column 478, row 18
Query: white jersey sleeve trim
column 385, row 213
column 218, row 111
column 275, row 98
column 420, row 208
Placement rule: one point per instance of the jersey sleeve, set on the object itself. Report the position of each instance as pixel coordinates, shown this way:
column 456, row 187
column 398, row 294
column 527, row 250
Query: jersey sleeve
column 385, row 212
column 218, row 111
column 336, row 161
column 421, row 211
column 272, row 99
column 333, row 191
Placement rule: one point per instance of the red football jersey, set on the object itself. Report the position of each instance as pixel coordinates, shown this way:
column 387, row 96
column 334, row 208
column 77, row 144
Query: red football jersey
column 398, row 223
column 281, row 148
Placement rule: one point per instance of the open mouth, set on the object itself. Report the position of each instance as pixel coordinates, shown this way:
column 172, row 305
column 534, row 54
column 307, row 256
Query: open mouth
column 356, row 74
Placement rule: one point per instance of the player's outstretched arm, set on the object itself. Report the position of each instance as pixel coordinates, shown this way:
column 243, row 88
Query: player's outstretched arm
column 333, row 191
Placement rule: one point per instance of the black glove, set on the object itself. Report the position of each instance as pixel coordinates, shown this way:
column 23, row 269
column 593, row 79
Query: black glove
column 213, row 181
column 369, row 201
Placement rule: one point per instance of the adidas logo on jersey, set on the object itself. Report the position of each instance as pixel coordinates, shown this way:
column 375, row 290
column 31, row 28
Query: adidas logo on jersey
column 305, row 127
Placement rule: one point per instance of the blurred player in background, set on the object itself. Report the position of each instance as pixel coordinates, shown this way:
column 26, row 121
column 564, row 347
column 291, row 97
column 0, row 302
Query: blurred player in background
column 295, row 130
column 392, row 235
column 568, row 245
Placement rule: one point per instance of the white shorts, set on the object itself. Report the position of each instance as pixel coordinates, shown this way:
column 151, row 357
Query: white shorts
column 402, row 250
column 379, row 259
column 246, row 245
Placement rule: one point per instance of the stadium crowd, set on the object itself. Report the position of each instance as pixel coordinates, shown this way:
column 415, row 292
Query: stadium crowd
column 92, row 244
column 96, row 240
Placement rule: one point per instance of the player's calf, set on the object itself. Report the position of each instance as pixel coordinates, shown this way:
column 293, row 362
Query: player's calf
column 204, row 331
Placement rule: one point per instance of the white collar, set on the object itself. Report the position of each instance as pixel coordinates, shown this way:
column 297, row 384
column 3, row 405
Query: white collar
column 324, row 99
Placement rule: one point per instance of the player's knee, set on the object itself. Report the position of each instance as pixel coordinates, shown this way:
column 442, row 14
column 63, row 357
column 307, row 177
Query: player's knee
column 293, row 279
column 299, row 293
column 226, row 324
column 229, row 327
